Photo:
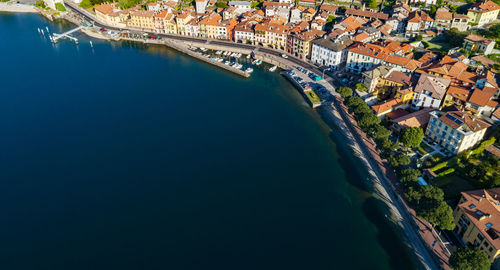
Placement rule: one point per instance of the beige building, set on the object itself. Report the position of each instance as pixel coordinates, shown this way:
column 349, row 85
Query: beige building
column 271, row 34
column 455, row 131
column 477, row 220
column 182, row 20
column 165, row 22
column 111, row 15
column 482, row 13
column 302, row 42
column 142, row 19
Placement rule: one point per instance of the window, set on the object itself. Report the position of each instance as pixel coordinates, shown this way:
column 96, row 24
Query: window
column 480, row 237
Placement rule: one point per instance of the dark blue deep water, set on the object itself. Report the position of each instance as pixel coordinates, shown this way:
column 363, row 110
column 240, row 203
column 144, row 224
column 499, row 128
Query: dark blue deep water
column 128, row 156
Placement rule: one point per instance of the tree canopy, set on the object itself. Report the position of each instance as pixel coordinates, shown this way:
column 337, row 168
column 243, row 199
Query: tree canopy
column 466, row 258
column 428, row 202
column 367, row 120
column 372, row 3
column 344, row 92
column 412, row 137
column 398, row 160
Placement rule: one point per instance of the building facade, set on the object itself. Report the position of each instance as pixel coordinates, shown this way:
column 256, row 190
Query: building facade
column 455, row 131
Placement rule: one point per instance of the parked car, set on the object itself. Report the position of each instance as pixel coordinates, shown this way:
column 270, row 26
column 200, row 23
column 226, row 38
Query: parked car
column 284, row 56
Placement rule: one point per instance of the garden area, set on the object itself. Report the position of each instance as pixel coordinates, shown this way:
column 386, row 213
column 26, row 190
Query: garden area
column 312, row 97
column 473, row 169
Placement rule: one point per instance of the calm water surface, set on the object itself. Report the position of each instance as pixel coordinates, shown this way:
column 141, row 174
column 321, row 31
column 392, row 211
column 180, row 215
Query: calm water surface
column 132, row 157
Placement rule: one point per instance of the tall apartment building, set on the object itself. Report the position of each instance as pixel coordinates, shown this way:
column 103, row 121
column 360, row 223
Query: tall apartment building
column 455, row 131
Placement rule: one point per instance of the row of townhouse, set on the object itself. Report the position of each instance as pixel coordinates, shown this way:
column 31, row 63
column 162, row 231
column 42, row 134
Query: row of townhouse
column 366, row 56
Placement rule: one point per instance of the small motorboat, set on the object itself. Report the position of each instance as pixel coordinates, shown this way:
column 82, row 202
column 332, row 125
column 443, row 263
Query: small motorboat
column 249, row 70
column 273, row 68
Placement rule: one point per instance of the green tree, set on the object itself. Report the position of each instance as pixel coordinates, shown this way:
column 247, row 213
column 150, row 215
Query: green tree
column 125, row 4
column 493, row 32
column 433, row 10
column 362, row 109
column 398, row 160
column 466, row 258
column 344, row 92
column 439, row 3
column 60, row 7
column 372, row 3
column 367, row 120
column 353, row 102
column 221, row 4
column 380, row 132
column 85, row 4
column 441, row 216
column 412, row 137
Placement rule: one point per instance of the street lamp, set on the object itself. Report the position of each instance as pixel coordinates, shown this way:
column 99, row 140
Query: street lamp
column 323, row 76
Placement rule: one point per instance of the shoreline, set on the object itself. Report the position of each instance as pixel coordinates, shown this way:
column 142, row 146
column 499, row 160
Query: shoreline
column 338, row 117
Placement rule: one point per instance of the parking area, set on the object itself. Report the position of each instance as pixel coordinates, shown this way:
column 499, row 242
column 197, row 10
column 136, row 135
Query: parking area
column 310, row 79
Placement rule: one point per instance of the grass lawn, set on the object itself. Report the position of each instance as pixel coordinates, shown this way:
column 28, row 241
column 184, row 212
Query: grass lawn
column 452, row 185
column 313, row 97
column 439, row 45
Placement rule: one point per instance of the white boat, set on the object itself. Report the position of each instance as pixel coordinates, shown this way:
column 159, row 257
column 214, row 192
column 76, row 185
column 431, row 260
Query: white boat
column 238, row 65
column 254, row 62
column 273, row 68
column 218, row 52
column 258, row 62
column 249, row 70
column 225, row 54
column 227, row 62
column 203, row 49
column 248, row 56
column 220, row 60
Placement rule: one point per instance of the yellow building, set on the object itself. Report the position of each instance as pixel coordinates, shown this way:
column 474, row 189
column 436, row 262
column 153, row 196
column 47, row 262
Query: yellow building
column 208, row 26
column 142, row 19
column 405, row 95
column 482, row 13
column 477, row 220
column 301, row 42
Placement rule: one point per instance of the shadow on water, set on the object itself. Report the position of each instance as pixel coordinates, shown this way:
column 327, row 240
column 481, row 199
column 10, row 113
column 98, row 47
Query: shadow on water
column 390, row 236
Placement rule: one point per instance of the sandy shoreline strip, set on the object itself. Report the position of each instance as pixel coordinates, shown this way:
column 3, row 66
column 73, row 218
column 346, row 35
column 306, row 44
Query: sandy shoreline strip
column 11, row 7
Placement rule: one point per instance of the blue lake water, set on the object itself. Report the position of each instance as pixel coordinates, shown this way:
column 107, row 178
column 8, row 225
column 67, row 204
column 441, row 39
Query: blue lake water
column 128, row 156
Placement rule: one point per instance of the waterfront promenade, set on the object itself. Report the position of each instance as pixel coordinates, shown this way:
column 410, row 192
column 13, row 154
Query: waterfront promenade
column 433, row 254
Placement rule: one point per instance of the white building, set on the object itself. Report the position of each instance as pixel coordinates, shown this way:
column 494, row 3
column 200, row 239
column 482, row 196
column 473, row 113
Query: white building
column 201, row 5
column 241, row 6
column 427, row 2
column 243, row 33
column 429, row 91
column 329, row 52
column 455, row 131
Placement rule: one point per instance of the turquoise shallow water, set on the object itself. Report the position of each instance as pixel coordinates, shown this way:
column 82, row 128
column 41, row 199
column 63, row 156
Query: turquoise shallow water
column 132, row 157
